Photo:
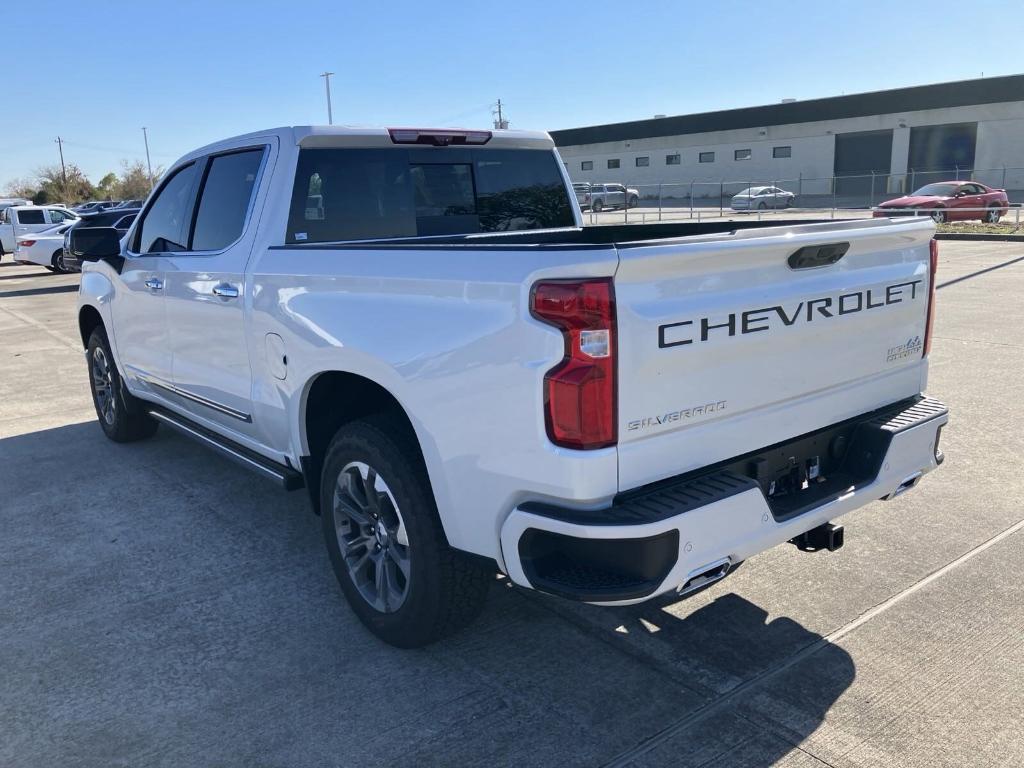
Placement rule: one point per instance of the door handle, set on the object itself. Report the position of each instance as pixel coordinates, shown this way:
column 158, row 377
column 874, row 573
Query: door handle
column 154, row 283
column 225, row 291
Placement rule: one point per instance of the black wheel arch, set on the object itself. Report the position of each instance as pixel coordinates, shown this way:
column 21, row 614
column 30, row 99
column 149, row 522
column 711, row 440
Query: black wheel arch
column 333, row 399
column 89, row 319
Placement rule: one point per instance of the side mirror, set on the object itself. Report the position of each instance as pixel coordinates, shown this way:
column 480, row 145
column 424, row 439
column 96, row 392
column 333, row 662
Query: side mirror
column 95, row 243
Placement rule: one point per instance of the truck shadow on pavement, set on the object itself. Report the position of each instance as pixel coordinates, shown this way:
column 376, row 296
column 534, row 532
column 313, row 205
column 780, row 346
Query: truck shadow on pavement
column 162, row 605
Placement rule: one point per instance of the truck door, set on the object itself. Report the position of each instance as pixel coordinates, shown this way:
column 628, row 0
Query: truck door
column 206, row 295
column 141, row 338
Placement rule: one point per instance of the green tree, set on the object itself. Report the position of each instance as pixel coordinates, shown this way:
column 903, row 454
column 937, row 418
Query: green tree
column 107, row 188
column 134, row 183
column 69, row 185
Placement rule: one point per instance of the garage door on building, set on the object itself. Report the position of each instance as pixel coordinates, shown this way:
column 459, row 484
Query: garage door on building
column 857, row 156
column 938, row 152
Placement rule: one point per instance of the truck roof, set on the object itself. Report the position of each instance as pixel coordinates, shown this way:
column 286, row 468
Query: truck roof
column 370, row 136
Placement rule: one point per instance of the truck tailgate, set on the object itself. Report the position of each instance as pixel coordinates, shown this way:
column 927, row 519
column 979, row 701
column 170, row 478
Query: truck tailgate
column 731, row 343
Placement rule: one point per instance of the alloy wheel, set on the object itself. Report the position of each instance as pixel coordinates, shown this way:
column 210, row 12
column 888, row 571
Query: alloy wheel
column 103, row 385
column 372, row 538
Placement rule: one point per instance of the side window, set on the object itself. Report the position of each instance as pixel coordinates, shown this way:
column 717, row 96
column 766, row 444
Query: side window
column 224, row 199
column 32, row 216
column 166, row 223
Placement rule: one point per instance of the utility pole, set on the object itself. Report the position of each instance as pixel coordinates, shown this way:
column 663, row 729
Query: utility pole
column 63, row 170
column 327, row 82
column 149, row 165
column 501, row 123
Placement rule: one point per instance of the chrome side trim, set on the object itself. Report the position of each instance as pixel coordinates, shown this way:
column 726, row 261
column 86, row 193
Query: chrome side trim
column 220, row 447
column 240, row 415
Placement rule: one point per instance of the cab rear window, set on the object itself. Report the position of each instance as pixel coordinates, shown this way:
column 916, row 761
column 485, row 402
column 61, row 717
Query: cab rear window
column 370, row 194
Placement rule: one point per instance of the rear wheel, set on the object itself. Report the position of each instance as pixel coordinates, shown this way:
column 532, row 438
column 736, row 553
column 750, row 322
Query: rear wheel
column 57, row 262
column 121, row 415
column 597, row 206
column 634, row 202
column 992, row 215
column 761, row 206
column 385, row 540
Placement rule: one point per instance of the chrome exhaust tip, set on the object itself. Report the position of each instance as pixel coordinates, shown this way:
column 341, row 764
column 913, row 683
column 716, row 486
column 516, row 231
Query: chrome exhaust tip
column 705, row 575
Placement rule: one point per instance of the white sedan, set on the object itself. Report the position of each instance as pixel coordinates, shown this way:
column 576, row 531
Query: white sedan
column 45, row 248
column 760, row 198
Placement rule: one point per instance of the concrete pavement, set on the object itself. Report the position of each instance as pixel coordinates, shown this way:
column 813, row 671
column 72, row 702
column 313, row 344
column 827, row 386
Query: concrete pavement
column 161, row 606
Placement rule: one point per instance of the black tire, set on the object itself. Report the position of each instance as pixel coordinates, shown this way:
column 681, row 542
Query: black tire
column 634, row 202
column 761, row 206
column 938, row 215
column 57, row 262
column 992, row 215
column 790, row 202
column 442, row 590
column 597, row 206
column 121, row 416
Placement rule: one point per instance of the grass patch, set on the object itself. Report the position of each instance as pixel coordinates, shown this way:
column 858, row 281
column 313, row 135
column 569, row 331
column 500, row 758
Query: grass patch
column 1005, row 227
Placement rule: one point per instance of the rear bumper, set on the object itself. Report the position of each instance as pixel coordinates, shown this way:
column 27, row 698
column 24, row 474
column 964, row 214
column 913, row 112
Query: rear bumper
column 685, row 532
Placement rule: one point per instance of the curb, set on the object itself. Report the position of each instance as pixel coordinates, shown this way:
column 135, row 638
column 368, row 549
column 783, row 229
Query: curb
column 980, row 236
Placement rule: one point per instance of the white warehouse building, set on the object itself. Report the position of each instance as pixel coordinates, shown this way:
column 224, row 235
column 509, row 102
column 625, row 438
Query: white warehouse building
column 875, row 144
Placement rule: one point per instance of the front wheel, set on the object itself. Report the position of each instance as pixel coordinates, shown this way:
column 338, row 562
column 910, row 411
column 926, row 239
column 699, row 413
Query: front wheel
column 385, row 540
column 121, row 415
column 992, row 216
column 761, row 206
column 597, row 206
column 938, row 215
column 634, row 202
column 57, row 262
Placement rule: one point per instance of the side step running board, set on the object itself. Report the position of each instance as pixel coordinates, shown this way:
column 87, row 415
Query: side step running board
column 285, row 476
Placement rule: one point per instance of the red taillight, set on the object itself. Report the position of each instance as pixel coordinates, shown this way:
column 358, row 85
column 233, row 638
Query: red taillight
column 26, row 243
column 933, row 252
column 437, row 138
column 579, row 392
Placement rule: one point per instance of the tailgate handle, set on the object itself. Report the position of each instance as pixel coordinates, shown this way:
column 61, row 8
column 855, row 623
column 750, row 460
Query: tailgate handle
column 818, row 255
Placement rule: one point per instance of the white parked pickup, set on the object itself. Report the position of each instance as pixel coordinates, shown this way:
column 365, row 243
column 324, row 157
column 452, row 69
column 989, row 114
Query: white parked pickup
column 18, row 220
column 414, row 326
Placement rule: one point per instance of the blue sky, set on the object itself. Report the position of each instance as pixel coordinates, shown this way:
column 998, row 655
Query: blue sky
column 194, row 72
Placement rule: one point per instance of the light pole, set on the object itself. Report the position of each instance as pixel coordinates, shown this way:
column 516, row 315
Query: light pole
column 149, row 165
column 327, row 83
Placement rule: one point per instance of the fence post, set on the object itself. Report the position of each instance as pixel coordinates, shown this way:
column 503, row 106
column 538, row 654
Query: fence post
column 833, row 197
column 800, row 186
column 1003, row 185
column 871, row 199
column 691, row 198
column 721, row 197
column 913, row 186
column 659, row 201
column 957, row 172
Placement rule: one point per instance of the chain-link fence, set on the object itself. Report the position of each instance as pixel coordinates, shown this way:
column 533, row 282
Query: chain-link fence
column 838, row 196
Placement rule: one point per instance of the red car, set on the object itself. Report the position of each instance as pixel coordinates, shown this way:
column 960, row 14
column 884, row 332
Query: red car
column 950, row 201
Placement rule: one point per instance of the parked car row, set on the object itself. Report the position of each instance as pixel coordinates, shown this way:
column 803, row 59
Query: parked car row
column 37, row 234
column 95, row 206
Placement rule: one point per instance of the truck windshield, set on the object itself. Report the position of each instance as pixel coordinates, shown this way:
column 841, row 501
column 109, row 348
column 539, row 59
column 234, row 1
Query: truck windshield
column 367, row 194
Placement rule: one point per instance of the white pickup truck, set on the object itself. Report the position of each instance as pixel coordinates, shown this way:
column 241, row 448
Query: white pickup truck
column 414, row 326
